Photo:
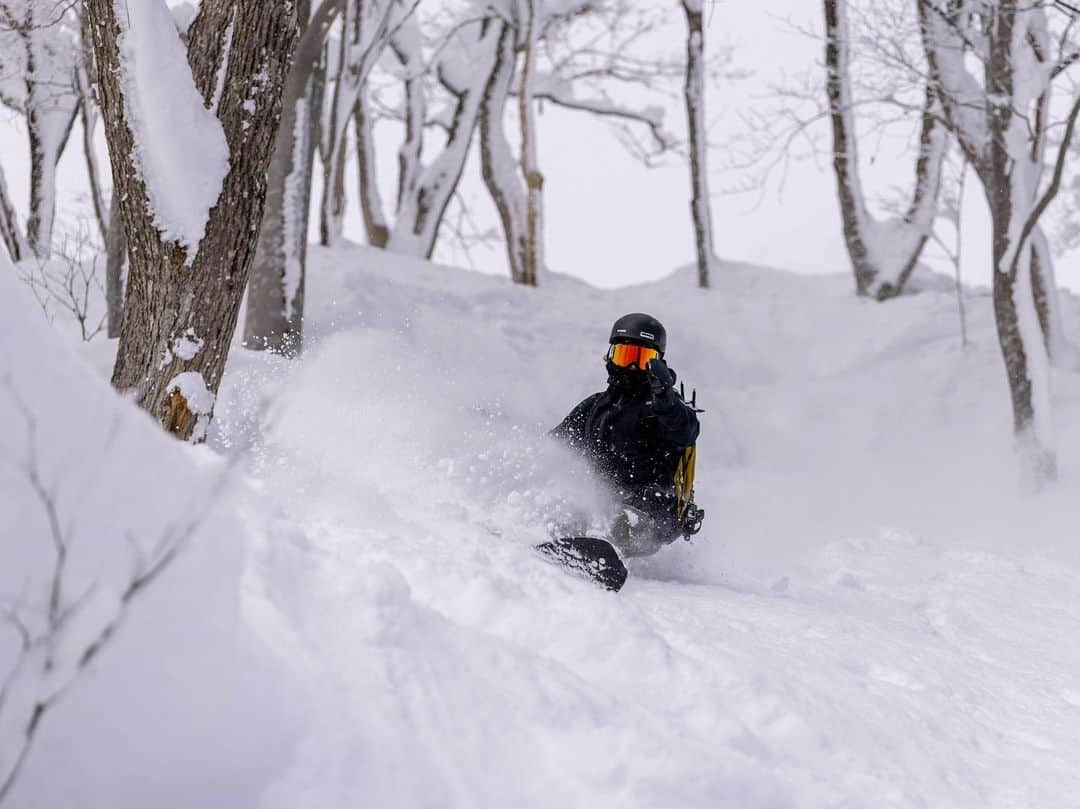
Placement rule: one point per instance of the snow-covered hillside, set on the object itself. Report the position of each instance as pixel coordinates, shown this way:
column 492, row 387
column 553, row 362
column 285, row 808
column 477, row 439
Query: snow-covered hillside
column 875, row 614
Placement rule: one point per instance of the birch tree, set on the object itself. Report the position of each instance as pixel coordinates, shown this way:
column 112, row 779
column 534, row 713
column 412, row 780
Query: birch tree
column 191, row 170
column 85, row 82
column 40, row 40
column 995, row 66
column 497, row 164
column 883, row 253
column 694, row 94
column 530, row 167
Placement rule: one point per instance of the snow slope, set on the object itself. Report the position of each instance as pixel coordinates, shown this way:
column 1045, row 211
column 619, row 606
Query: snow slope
column 874, row 615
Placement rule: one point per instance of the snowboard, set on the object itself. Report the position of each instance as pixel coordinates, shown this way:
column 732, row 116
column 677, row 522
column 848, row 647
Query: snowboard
column 593, row 558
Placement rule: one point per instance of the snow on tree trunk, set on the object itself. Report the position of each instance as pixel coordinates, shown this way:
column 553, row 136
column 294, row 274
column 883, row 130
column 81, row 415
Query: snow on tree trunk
column 88, row 116
column 530, row 164
column 1007, row 155
column 10, row 232
column 190, row 247
column 1048, row 303
column 332, row 203
column 275, row 303
column 371, row 204
column 883, row 253
column 694, row 94
column 407, row 48
column 1011, row 191
column 497, row 163
column 85, row 75
column 464, row 74
column 51, row 107
column 332, row 206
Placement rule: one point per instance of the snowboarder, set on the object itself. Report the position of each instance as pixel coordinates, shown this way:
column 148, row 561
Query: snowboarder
column 636, row 433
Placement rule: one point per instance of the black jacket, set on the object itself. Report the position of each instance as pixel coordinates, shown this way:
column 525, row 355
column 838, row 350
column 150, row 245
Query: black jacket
column 632, row 437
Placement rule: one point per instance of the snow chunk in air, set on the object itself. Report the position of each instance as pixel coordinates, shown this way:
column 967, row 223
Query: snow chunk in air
column 180, row 148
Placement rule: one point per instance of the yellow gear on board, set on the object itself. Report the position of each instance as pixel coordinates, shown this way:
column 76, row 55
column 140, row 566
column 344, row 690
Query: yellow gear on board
column 684, row 480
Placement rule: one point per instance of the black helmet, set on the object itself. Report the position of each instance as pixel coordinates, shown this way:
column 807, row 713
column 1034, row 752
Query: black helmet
column 639, row 328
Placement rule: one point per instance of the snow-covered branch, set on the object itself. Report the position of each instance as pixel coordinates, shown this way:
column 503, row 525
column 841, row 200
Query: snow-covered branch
column 64, row 627
column 651, row 118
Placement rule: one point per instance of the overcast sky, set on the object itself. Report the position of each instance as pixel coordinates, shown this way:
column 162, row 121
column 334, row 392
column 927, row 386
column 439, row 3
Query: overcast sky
column 611, row 221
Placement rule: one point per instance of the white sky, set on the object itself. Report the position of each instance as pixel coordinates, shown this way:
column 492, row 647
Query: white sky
column 609, row 220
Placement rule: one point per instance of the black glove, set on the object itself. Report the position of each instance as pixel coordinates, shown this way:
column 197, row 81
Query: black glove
column 660, row 379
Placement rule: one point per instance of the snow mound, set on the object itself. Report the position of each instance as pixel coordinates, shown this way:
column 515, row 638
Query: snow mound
column 164, row 716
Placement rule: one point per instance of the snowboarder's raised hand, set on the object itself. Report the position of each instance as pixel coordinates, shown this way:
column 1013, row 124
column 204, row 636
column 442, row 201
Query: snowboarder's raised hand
column 660, row 378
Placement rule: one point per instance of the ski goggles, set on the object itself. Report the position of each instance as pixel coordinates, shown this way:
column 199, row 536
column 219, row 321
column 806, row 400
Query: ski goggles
column 626, row 355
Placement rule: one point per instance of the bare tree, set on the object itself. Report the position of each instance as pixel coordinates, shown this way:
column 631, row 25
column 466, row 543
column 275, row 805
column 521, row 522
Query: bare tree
column 497, row 157
column 463, row 70
column 587, row 52
column 69, row 280
column 275, row 304
column 182, row 302
column 530, row 167
column 951, row 242
column 994, row 64
column 883, row 254
column 694, row 94
column 367, row 27
column 371, row 205
column 85, row 79
column 42, row 38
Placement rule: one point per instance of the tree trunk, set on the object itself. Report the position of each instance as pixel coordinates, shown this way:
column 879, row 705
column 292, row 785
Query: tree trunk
column 1048, row 303
column 410, row 154
column 530, row 166
column 694, row 93
column 371, row 205
column 88, row 117
column 50, row 114
column 332, row 207
column 85, row 81
column 1020, row 337
column 115, row 252
column 883, row 255
column 275, row 305
column 10, row 232
column 497, row 158
column 172, row 298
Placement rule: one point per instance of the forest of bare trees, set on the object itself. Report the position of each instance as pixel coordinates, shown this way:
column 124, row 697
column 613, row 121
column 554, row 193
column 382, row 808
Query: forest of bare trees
column 988, row 83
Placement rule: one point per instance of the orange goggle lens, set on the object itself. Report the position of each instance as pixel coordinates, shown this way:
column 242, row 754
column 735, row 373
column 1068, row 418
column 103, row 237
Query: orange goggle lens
column 624, row 355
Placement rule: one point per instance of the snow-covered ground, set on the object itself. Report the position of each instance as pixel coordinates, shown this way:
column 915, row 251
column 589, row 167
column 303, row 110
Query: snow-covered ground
column 875, row 613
